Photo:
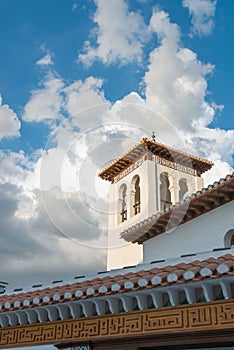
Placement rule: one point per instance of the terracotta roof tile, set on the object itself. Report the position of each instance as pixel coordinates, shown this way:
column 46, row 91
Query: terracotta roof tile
column 152, row 277
column 146, row 146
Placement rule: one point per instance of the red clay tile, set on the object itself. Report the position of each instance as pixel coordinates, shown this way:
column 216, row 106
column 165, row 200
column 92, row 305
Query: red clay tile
column 120, row 279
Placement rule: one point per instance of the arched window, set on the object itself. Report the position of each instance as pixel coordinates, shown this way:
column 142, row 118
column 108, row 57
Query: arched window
column 183, row 188
column 165, row 193
column 123, row 203
column 229, row 238
column 136, row 195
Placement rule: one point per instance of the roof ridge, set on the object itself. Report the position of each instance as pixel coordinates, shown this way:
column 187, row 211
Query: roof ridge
column 117, row 159
column 148, row 277
column 178, row 150
column 172, row 261
column 117, row 166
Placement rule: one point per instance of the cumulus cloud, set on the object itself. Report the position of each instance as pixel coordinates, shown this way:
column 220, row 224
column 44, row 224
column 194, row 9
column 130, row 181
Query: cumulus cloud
column 31, row 245
column 167, row 32
column 45, row 60
column 120, row 34
column 15, row 167
column 45, row 103
column 9, row 122
column 202, row 13
column 85, row 102
column 176, row 80
column 52, row 206
column 176, row 87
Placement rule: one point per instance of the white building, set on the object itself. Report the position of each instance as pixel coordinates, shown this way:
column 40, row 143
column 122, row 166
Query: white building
column 157, row 200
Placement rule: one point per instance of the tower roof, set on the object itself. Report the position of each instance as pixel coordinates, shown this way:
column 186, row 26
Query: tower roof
column 146, row 146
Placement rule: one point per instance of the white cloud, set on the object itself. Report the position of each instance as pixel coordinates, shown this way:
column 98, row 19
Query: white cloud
column 219, row 170
column 46, row 102
column 85, row 102
column 31, row 243
column 120, row 34
column 176, row 88
column 9, row 122
column 14, row 167
column 45, row 60
column 176, row 80
column 216, row 144
column 160, row 23
column 202, row 13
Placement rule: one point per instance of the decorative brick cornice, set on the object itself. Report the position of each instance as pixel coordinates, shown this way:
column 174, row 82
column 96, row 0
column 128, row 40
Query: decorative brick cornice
column 155, row 148
column 217, row 315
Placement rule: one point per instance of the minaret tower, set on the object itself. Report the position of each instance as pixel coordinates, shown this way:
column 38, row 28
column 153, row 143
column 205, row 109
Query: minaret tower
column 146, row 179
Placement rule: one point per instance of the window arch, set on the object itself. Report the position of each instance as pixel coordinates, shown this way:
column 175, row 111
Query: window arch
column 183, row 188
column 229, row 238
column 165, row 193
column 123, row 203
column 136, row 195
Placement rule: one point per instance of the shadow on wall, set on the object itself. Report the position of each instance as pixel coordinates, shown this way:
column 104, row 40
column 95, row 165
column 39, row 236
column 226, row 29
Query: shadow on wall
column 229, row 238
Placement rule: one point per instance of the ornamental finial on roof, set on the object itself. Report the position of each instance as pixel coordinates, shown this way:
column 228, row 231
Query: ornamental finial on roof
column 153, row 136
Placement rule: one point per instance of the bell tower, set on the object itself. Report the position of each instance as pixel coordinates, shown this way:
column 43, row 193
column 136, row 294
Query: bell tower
column 147, row 179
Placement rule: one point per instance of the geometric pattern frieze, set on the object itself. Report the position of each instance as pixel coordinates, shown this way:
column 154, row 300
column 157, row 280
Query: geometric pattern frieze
column 206, row 316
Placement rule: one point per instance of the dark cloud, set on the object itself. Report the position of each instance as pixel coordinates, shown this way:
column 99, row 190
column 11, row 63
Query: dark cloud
column 34, row 250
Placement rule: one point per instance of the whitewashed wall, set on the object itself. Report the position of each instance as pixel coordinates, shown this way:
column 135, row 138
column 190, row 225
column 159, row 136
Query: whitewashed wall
column 206, row 232
column 121, row 253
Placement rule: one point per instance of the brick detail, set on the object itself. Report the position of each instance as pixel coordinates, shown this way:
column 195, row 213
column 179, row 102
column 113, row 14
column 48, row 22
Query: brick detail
column 202, row 317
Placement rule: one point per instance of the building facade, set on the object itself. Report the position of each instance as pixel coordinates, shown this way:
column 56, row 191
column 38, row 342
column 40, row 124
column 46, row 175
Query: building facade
column 146, row 180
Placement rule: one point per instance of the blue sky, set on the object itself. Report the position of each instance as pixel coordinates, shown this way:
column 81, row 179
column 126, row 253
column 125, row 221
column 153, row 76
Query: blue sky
column 81, row 82
column 31, row 29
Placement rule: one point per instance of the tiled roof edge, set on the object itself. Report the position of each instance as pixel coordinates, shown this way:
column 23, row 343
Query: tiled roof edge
column 179, row 274
column 146, row 141
column 186, row 258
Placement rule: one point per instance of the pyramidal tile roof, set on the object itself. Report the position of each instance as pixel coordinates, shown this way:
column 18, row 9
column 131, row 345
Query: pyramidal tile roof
column 146, row 145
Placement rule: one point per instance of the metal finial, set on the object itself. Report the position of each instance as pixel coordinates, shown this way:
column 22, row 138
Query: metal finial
column 153, row 136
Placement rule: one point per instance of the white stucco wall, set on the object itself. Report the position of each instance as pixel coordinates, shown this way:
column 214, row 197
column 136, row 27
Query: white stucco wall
column 204, row 233
column 121, row 253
